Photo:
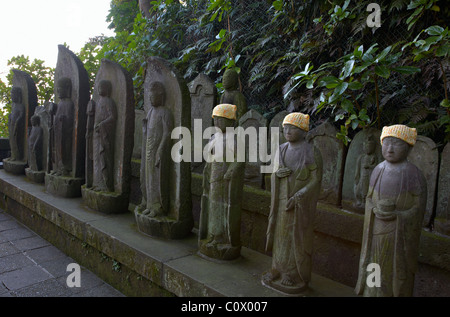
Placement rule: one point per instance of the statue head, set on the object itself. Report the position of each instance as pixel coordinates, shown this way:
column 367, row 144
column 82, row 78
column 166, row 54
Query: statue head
column 64, row 87
column 157, row 94
column 295, row 126
column 16, row 94
column 230, row 80
column 104, row 88
column 396, row 142
column 369, row 145
column 35, row 120
column 224, row 116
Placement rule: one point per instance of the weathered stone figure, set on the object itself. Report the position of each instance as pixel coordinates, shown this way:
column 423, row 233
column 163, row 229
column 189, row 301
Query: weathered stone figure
column 103, row 139
column 364, row 166
column 63, row 129
column 90, row 143
column 35, row 145
column 232, row 95
column 16, row 125
column 157, row 129
column 395, row 207
column 223, row 179
column 295, row 190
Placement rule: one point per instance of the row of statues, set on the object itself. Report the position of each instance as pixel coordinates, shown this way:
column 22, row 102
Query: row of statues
column 88, row 144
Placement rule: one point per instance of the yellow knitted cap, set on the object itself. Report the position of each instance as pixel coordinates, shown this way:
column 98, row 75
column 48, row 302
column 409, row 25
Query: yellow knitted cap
column 225, row 110
column 400, row 131
column 297, row 119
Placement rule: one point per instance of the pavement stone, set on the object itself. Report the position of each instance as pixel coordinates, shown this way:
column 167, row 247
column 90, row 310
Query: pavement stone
column 31, row 267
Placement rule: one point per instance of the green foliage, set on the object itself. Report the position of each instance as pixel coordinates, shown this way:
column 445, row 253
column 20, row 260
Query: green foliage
column 42, row 77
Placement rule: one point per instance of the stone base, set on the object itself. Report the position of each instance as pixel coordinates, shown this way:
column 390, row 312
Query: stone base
column 222, row 252
column 294, row 290
column 162, row 227
column 442, row 226
column 105, row 202
column 14, row 167
column 63, row 186
column 35, row 176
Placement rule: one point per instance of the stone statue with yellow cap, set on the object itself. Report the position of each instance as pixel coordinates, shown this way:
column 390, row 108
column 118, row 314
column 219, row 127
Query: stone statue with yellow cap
column 394, row 211
column 223, row 180
column 295, row 189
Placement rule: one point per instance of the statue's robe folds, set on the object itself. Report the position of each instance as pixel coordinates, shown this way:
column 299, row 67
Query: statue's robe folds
column 63, row 136
column 290, row 233
column 103, row 145
column 155, row 180
column 35, row 148
column 221, row 200
column 393, row 244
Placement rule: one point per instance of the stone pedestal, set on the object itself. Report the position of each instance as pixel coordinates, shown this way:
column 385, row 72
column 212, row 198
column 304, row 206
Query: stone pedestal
column 35, row 176
column 14, row 167
column 163, row 227
column 63, row 186
column 105, row 202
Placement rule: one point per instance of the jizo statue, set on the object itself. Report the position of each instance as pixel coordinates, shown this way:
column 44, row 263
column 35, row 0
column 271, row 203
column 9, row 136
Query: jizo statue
column 157, row 128
column 295, row 189
column 394, row 212
column 364, row 166
column 223, row 181
column 232, row 94
column 63, row 128
column 16, row 124
column 35, row 145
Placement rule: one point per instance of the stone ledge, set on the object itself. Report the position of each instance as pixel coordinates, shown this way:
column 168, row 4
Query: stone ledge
column 172, row 265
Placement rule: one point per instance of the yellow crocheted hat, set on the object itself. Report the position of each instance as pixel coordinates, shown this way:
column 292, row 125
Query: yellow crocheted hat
column 225, row 110
column 297, row 119
column 400, row 131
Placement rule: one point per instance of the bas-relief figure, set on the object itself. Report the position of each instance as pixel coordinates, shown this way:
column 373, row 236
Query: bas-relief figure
column 394, row 211
column 109, row 140
column 219, row 225
column 67, row 144
column 157, row 128
column 16, row 125
column 295, row 191
column 232, row 94
column 364, row 166
column 35, row 145
column 63, row 129
column 24, row 102
column 165, row 210
column 103, row 139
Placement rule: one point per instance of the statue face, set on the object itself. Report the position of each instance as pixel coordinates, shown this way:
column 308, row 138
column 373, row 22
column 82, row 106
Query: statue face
column 16, row 95
column 293, row 133
column 223, row 123
column 64, row 88
column 369, row 147
column 230, row 80
column 395, row 150
column 104, row 88
column 156, row 96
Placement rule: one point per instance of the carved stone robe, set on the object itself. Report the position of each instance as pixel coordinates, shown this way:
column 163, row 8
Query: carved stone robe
column 290, row 233
column 393, row 244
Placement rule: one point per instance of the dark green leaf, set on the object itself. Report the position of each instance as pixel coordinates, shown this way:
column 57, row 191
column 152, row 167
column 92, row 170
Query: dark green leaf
column 382, row 71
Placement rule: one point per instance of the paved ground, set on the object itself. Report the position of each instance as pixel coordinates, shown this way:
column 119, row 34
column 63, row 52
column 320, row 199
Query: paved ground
column 32, row 267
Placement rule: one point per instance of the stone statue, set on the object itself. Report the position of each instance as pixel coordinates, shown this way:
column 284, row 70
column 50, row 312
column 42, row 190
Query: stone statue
column 223, row 181
column 90, row 143
column 365, row 164
column 35, row 145
column 394, row 211
column 157, row 129
column 166, row 207
column 63, row 129
column 16, row 125
column 109, row 140
column 295, row 190
column 103, row 139
column 232, row 95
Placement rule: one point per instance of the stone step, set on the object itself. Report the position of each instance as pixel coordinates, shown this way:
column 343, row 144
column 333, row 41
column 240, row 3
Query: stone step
column 172, row 265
